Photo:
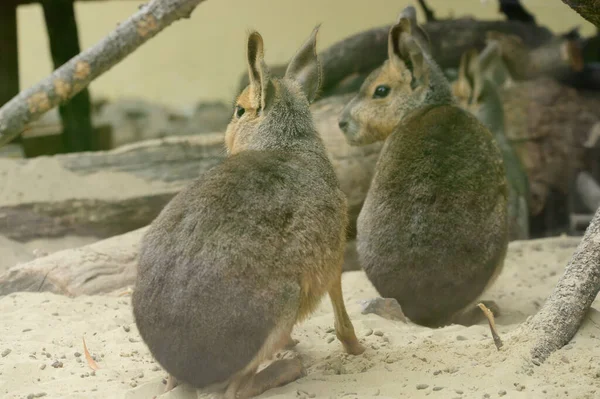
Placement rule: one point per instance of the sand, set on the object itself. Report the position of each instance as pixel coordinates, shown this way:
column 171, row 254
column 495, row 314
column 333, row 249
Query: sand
column 41, row 351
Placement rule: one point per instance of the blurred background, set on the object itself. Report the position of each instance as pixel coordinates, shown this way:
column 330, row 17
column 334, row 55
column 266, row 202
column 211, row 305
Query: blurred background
column 202, row 58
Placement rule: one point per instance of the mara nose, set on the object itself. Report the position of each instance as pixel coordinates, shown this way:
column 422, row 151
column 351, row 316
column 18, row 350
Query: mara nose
column 343, row 124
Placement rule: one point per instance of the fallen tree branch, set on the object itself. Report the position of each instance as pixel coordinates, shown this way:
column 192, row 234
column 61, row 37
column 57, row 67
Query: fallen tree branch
column 107, row 266
column 588, row 9
column 105, row 193
column 564, row 311
column 74, row 76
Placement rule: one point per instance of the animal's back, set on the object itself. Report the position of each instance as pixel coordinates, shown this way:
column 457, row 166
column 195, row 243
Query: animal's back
column 237, row 243
column 433, row 228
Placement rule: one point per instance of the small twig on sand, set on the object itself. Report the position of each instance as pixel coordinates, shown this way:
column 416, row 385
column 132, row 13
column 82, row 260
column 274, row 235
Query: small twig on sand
column 90, row 360
column 490, row 317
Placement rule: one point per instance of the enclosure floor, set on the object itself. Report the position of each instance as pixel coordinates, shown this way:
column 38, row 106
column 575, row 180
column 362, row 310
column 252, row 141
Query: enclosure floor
column 41, row 347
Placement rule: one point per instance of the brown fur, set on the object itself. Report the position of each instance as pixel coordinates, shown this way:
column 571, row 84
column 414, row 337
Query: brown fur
column 250, row 248
column 432, row 232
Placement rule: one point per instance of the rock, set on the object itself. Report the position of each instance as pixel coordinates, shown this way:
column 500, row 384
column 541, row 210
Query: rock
column 388, row 308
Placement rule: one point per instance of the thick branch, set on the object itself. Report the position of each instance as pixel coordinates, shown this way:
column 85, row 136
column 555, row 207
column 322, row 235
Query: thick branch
column 561, row 316
column 429, row 15
column 588, row 9
column 77, row 74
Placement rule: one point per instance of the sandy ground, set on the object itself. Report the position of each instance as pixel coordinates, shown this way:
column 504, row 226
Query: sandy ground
column 41, row 350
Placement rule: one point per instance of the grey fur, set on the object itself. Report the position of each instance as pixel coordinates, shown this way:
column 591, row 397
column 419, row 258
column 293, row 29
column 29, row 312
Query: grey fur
column 239, row 252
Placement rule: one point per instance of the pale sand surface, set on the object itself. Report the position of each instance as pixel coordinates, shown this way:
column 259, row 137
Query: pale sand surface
column 38, row 330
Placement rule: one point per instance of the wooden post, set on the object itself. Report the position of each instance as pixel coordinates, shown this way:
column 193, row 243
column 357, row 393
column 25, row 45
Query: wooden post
column 9, row 54
column 64, row 45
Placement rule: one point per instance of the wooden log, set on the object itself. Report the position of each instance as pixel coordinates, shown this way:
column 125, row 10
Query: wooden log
column 63, row 36
column 107, row 266
column 98, row 268
column 102, row 194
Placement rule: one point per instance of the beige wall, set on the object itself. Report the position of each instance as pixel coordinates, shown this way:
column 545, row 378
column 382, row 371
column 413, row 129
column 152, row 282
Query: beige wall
column 202, row 57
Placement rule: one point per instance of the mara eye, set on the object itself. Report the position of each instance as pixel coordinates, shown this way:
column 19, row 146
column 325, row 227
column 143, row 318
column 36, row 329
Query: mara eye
column 381, row 91
column 239, row 111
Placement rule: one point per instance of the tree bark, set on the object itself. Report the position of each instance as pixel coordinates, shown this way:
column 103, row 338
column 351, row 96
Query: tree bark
column 98, row 268
column 563, row 312
column 75, row 75
column 588, row 9
column 61, row 26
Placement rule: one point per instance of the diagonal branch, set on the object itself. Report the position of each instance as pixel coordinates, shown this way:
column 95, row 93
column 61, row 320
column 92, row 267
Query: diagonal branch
column 588, row 9
column 563, row 312
column 75, row 75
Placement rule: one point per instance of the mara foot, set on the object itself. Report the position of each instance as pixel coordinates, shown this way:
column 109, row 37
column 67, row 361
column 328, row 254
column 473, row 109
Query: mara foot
column 277, row 374
column 171, row 383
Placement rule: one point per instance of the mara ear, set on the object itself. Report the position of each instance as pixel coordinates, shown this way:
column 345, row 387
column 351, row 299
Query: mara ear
column 305, row 67
column 463, row 83
column 257, row 71
column 490, row 55
column 475, row 73
column 410, row 13
column 403, row 48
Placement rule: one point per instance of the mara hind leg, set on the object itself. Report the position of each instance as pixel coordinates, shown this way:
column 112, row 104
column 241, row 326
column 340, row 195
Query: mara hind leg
column 171, row 383
column 243, row 383
column 344, row 330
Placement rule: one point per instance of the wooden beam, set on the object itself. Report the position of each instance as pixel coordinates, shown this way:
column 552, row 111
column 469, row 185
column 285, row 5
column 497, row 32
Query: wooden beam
column 64, row 45
column 9, row 54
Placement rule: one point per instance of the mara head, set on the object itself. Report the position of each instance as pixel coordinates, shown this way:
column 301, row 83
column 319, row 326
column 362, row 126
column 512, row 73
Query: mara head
column 404, row 82
column 269, row 110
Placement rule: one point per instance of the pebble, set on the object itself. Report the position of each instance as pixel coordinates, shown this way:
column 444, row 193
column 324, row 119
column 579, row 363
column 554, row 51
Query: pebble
column 461, row 338
column 6, row 352
column 438, row 388
column 330, row 340
column 368, row 332
column 330, row 330
column 422, row 386
column 36, row 395
column 57, row 364
column 77, row 354
column 378, row 333
column 458, row 391
column 42, row 366
column 501, row 393
column 486, row 395
column 437, row 372
column 126, row 328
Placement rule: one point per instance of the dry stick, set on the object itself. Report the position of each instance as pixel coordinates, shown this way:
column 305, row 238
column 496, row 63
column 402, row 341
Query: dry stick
column 565, row 309
column 490, row 317
column 75, row 75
